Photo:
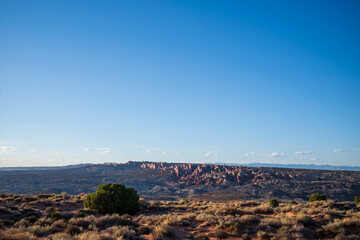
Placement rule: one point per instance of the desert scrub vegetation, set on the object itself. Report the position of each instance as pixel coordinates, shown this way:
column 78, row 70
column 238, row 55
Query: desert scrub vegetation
column 274, row 202
column 317, row 197
column 180, row 219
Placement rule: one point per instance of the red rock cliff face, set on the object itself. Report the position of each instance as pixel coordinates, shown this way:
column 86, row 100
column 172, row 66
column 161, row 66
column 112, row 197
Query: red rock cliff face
column 209, row 174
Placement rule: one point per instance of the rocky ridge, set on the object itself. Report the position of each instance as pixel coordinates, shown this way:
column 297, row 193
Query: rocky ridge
column 160, row 180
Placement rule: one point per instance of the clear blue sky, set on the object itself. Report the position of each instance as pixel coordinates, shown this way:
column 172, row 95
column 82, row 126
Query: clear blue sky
column 185, row 81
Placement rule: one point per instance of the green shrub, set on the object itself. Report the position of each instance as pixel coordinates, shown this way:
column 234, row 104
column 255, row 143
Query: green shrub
column 55, row 215
column 274, row 202
column 81, row 215
column 357, row 199
column 63, row 195
column 317, row 197
column 113, row 198
column 293, row 202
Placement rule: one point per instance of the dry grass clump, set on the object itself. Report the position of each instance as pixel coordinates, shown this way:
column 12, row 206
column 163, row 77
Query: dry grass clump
column 351, row 221
column 44, row 221
column 249, row 219
column 224, row 210
column 181, row 220
column 114, row 220
column 22, row 224
column 263, row 209
column 284, row 208
column 72, row 230
column 39, row 231
column 201, row 237
column 15, row 234
column 272, row 222
column 154, row 219
column 94, row 236
column 318, row 204
column 163, row 231
column 143, row 230
column 206, row 218
column 121, row 232
column 61, row 236
column 262, row 234
column 336, row 212
column 58, row 226
column 342, row 236
column 304, row 219
column 124, row 232
column 220, row 234
column 231, row 225
column 80, row 222
column 296, row 231
column 334, row 227
column 5, row 210
column 313, row 211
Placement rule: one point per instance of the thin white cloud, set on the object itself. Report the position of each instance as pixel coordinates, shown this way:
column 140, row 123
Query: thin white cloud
column 210, row 154
column 33, row 150
column 275, row 155
column 102, row 150
column 339, row 150
column 303, row 152
column 250, row 154
column 153, row 150
column 106, row 151
column 169, row 152
column 301, row 158
column 6, row 149
column 314, row 159
column 138, row 146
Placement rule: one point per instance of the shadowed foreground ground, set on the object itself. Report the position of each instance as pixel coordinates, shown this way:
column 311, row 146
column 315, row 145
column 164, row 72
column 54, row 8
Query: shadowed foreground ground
column 30, row 217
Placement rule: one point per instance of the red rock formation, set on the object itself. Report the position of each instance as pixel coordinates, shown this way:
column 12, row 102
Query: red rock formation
column 207, row 174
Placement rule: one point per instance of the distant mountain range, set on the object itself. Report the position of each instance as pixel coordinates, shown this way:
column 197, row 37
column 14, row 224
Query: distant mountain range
column 44, row 167
column 272, row 165
column 296, row 166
